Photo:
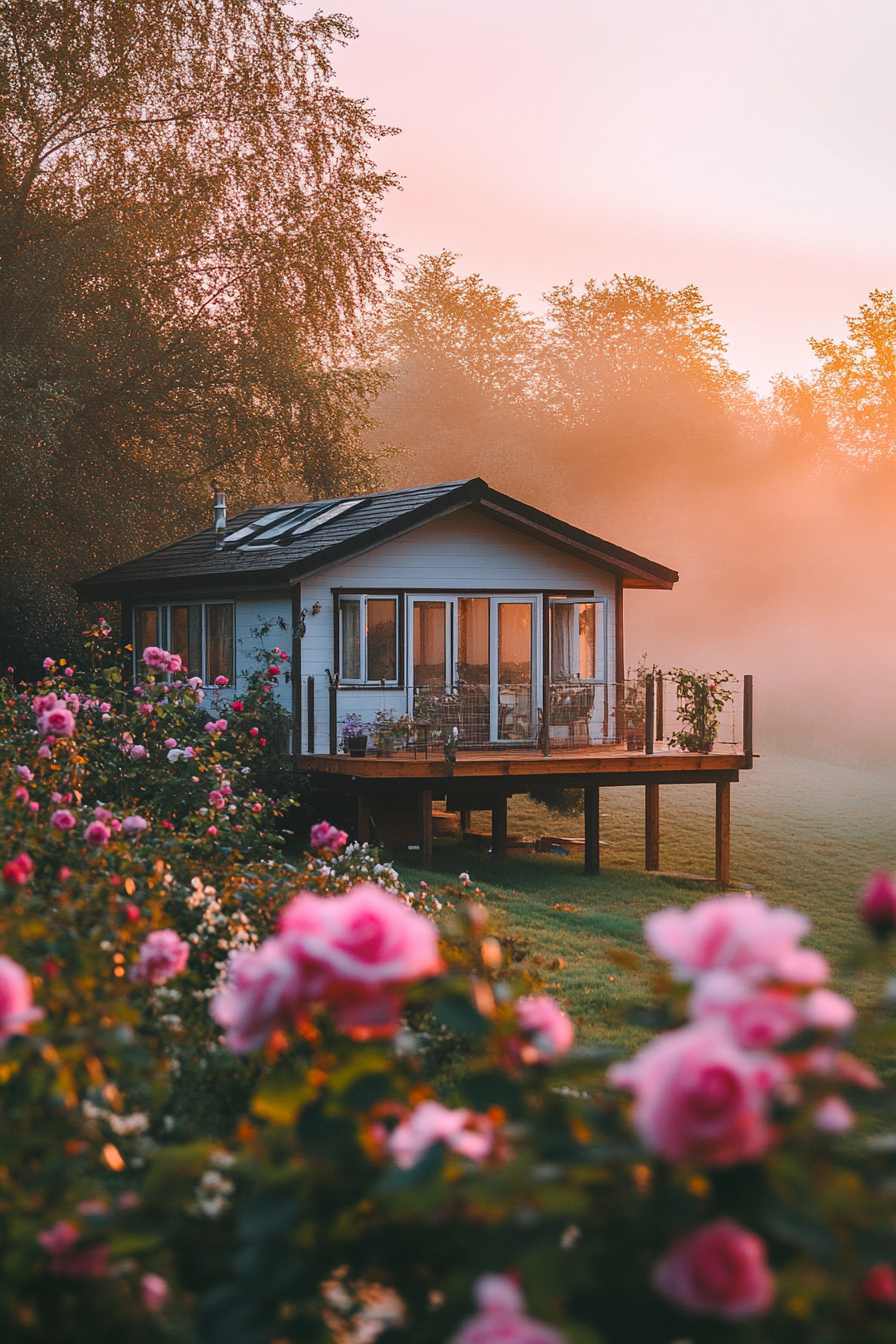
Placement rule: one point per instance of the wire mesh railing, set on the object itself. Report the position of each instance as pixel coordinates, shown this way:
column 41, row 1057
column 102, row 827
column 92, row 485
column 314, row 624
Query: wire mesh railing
column 647, row 713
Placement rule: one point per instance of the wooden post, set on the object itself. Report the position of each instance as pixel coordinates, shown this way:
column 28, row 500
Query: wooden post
column 592, row 828
column 464, row 820
column 620, row 664
column 652, row 827
column 310, row 716
column 660, row 725
column 546, row 675
column 334, row 723
column 748, row 721
column 499, row 825
column 424, row 803
column 363, row 819
column 649, row 716
column 296, row 669
column 723, row 834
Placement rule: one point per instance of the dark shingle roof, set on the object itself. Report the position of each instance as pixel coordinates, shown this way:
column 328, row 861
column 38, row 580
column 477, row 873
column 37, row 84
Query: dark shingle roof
column 307, row 546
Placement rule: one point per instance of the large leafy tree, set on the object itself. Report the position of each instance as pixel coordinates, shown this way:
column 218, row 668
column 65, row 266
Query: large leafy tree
column 187, row 246
column 848, row 404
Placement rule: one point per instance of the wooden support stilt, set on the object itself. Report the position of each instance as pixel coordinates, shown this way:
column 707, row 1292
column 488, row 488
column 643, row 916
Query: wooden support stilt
column 464, row 820
column 425, row 807
column 499, row 825
column 592, row 829
column 652, row 827
column 363, row 819
column 723, row 834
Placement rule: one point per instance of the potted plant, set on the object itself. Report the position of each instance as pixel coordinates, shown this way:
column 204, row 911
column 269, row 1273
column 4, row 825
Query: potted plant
column 385, row 732
column 354, row 735
column 700, row 700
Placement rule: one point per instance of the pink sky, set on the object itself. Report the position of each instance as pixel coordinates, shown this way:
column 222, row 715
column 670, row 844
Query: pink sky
column 745, row 146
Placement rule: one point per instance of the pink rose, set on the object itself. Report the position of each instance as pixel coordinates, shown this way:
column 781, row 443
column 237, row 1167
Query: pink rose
column 221, row 725
column 699, row 1097
column 730, row 933
column 69, row 671
column 833, row 1116
column 189, row 753
column 59, row 721
column 105, row 707
column 24, row 773
column 878, row 1288
column 97, row 833
column 878, row 904
column 325, row 836
column 263, row 990
column 551, row 1033
column 170, row 742
column 222, row 681
column 194, row 683
column 719, row 1271
column 826, row 1011
column 63, row 820
column 175, row 662
column 153, row 1292
column 34, row 807
column 43, row 703
column 463, row 1131
column 212, row 831
column 17, row 872
column 757, row 1018
column 102, row 814
column 211, row 727
column 156, row 658
column 162, row 956
column 48, row 663
column 73, row 702
column 502, row 1318
column 16, row 1007
column 60, row 1240
column 44, row 751
column 134, row 825
column 137, row 752
column 216, row 798
column 21, row 794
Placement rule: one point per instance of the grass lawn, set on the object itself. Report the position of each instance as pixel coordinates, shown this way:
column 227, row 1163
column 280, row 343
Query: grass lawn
column 804, row 833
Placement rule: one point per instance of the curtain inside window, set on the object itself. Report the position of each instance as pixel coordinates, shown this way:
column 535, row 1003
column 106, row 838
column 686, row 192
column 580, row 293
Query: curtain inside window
column 186, row 637
column 350, row 638
column 382, row 639
column 218, row 642
column 429, row 644
column 146, row 633
column 473, row 640
column 562, row 614
column 587, row 644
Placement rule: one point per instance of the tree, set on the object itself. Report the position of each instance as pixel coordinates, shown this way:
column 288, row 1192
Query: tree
column 187, row 248
column 848, row 405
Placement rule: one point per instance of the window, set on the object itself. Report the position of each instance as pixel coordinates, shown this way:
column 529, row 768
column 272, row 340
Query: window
column 368, row 639
column 201, row 633
column 577, row 641
column 473, row 639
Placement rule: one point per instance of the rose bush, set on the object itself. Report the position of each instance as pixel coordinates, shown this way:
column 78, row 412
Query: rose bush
column 247, row 1100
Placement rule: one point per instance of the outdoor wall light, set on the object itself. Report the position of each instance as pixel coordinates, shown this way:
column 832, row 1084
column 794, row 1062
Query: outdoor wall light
column 315, row 610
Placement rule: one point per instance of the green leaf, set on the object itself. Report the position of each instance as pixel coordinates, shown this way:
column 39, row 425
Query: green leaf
column 281, row 1099
column 457, row 1013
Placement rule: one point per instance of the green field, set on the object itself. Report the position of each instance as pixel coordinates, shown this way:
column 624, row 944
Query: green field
column 804, row 833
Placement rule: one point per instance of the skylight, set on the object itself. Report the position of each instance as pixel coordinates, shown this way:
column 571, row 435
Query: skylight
column 284, row 526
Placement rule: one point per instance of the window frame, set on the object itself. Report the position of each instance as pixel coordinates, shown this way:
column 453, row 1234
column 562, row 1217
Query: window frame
column 362, row 597
column 164, row 623
column 600, row 605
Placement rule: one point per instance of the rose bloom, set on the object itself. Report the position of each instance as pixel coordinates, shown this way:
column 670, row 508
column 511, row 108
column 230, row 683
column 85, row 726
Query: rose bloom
column 162, row 956
column 156, row 658
column 43, row 703
column 16, row 1008
column 325, row 836
column 137, row 752
column 63, row 820
column 263, row 990
column 222, row 681
column 757, row 1018
column 735, row 933
column 48, row 663
column 170, row 742
column 153, row 1291
column 878, row 1288
column 463, row 1131
column 24, row 773
column 833, row 1116
column 878, row 904
column 359, row 948
column 97, row 833
column 134, row 825
column 238, row 706
column 719, row 1271
column 59, row 721
column 216, row 798
column 551, row 1032
column 17, row 872
column 175, row 663
column 699, row 1097
column 502, row 1318
column 21, row 794
column 211, row 727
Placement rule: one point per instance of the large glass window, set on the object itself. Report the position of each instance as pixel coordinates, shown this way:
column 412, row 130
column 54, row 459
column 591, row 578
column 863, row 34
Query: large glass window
column 368, row 639
column 218, row 642
column 473, row 640
column 577, row 641
column 430, row 644
column 200, row 633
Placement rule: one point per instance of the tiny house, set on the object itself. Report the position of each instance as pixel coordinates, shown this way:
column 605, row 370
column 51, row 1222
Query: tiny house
column 464, row 634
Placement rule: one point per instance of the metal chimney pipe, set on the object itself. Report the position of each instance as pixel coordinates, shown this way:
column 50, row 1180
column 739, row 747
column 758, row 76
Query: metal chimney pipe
column 220, row 518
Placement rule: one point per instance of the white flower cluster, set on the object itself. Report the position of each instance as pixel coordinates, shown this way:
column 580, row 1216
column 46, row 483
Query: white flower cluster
column 137, row 1123
column 212, row 1194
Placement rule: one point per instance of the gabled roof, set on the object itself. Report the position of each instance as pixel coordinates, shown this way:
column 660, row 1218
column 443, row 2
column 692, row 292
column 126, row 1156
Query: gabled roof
column 285, row 543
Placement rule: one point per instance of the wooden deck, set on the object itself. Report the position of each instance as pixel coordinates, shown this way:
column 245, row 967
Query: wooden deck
column 394, row 794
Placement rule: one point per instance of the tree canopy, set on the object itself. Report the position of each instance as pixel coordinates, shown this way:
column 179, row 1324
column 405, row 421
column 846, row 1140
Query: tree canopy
column 187, row 248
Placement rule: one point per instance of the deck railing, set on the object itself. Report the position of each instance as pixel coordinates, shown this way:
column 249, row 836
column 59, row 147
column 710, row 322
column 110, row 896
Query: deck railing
column 637, row 715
